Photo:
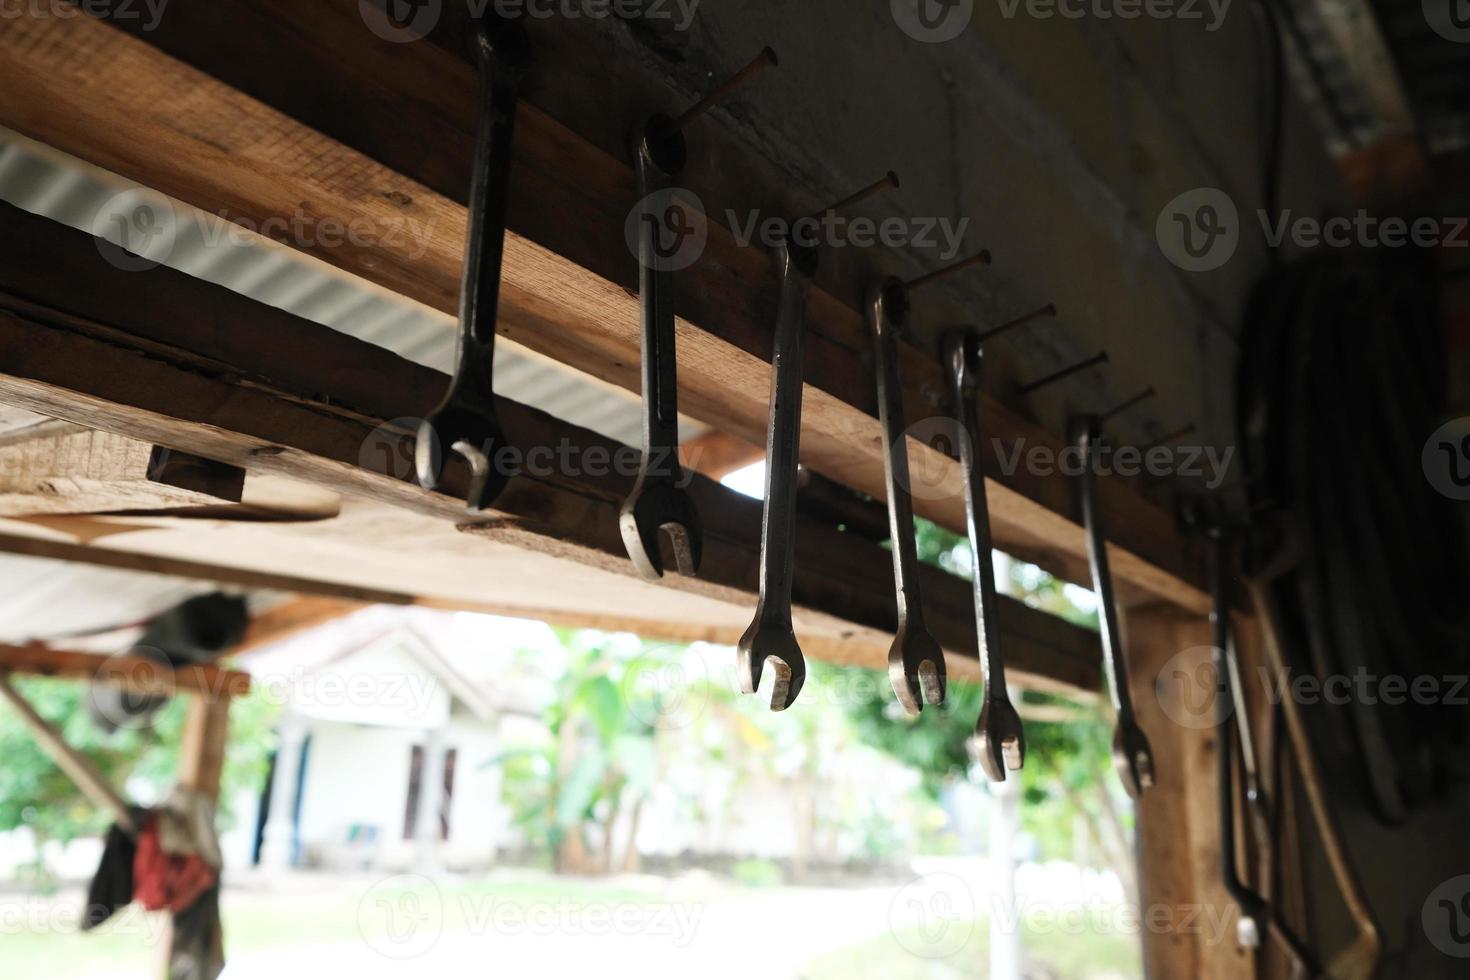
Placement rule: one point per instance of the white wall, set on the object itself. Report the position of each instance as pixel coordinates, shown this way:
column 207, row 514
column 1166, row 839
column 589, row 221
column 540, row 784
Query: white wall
column 359, row 774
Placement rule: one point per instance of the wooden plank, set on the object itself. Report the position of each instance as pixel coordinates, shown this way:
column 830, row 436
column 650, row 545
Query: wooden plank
column 567, row 273
column 141, row 674
column 1179, row 819
column 87, row 472
column 129, row 375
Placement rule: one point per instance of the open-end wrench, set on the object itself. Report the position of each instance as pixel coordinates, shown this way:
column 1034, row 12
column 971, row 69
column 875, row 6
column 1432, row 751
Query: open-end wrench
column 1232, row 718
column 1254, row 916
column 1203, row 516
column 771, row 636
column 1132, row 756
column 465, row 420
column 1001, row 736
column 916, row 666
column 659, row 502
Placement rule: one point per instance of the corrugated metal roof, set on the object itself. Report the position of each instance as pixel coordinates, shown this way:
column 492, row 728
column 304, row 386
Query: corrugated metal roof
column 44, row 182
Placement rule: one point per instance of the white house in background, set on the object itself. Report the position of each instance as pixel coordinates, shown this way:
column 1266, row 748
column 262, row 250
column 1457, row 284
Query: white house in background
column 385, row 760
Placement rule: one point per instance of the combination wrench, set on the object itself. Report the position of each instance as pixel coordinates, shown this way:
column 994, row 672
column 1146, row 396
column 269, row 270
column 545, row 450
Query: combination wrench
column 1232, row 718
column 999, row 732
column 771, row 636
column 916, row 667
column 466, row 420
column 658, row 502
column 1132, row 756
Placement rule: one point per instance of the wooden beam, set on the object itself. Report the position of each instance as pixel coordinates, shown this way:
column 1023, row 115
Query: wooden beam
column 141, row 674
column 292, row 617
column 271, row 393
column 52, row 548
column 718, row 454
column 66, row 82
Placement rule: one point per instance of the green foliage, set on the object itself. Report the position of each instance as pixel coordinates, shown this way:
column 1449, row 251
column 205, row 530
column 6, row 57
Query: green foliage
column 598, row 750
column 934, row 744
column 1065, row 762
column 35, row 793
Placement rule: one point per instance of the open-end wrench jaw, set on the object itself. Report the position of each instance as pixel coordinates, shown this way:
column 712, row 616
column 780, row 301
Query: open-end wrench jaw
column 658, row 506
column 465, row 421
column 916, row 669
column 1000, row 738
column 769, row 639
column 1133, row 758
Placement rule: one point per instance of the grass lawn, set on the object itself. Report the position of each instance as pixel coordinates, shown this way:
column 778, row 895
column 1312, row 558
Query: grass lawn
column 38, row 938
column 1083, row 956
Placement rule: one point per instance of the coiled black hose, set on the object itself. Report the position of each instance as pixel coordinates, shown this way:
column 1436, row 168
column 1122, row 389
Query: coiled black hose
column 1342, row 380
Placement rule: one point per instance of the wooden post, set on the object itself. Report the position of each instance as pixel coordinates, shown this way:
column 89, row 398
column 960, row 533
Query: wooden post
column 1188, row 919
column 202, row 749
column 201, row 764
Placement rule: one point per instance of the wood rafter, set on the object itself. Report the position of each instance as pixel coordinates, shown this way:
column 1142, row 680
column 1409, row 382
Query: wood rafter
column 181, row 363
column 242, row 153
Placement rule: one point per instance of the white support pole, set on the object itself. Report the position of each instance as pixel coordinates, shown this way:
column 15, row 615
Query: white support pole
column 279, row 838
column 1006, row 917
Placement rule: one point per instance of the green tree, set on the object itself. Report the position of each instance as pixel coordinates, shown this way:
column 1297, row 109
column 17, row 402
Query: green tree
column 598, row 757
column 35, row 793
column 1068, row 772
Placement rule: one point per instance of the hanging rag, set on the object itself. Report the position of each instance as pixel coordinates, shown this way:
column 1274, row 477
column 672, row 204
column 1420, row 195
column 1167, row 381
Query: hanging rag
column 168, row 881
column 112, row 886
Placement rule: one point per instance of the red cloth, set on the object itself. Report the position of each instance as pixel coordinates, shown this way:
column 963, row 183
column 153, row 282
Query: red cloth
column 168, row 881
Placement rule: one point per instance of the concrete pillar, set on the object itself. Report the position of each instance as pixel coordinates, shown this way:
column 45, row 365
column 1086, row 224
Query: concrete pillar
column 277, row 848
